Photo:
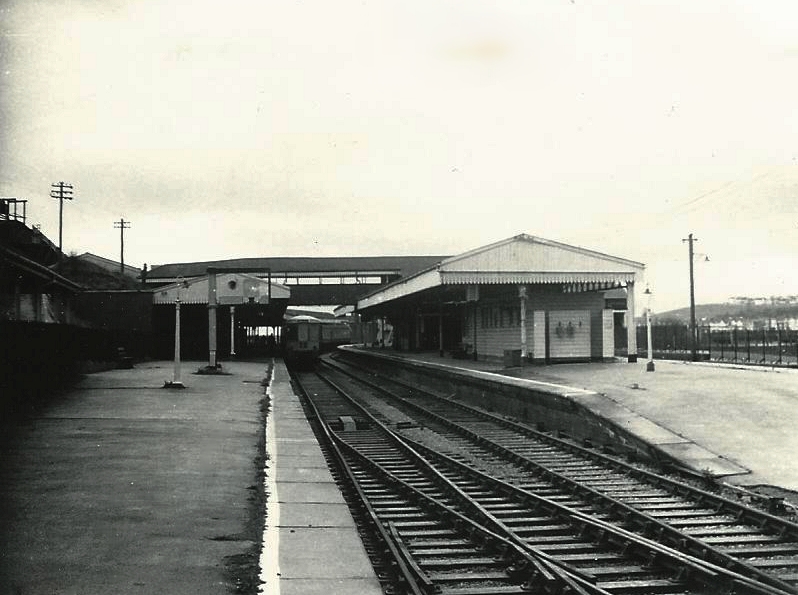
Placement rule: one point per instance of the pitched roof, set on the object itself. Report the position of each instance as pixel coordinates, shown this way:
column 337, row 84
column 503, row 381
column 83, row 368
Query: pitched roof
column 521, row 259
column 525, row 258
column 108, row 264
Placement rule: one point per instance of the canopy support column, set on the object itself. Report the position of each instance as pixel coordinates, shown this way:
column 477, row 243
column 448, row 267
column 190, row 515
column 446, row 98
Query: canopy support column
column 631, row 328
column 212, row 319
column 440, row 326
column 522, row 299
column 232, row 330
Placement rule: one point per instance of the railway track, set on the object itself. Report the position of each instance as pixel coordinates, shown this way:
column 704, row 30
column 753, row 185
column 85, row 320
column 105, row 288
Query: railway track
column 681, row 516
column 427, row 545
column 452, row 528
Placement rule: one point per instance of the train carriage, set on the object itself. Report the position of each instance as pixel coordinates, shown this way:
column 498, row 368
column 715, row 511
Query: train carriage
column 306, row 337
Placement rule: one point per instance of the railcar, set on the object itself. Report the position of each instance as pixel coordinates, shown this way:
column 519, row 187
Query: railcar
column 306, row 337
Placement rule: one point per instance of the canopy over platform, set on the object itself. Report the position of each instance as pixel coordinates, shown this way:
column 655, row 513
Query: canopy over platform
column 232, row 289
column 522, row 259
column 500, row 296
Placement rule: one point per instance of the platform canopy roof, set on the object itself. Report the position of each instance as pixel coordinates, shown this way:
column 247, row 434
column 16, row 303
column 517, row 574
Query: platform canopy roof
column 232, row 289
column 303, row 265
column 521, row 260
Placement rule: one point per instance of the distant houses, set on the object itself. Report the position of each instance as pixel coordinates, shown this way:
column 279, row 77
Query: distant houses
column 774, row 300
column 741, row 313
column 754, row 325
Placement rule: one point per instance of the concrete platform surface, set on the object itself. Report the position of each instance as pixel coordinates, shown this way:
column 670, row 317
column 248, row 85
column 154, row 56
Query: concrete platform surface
column 746, row 415
column 734, row 421
column 121, row 486
column 310, row 544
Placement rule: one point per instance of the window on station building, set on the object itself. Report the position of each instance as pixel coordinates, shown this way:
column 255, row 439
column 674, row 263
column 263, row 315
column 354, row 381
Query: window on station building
column 513, row 316
column 494, row 316
column 332, row 279
column 368, row 279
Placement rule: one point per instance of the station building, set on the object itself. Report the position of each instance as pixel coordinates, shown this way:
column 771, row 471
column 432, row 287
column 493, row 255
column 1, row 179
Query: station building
column 524, row 298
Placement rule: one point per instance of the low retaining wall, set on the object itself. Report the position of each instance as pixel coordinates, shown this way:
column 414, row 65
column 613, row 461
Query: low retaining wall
column 548, row 407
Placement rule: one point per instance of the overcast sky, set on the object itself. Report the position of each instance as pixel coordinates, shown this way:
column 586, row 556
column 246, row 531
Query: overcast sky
column 335, row 128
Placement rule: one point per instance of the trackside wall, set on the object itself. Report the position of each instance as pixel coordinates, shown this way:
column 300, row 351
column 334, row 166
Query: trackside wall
column 547, row 407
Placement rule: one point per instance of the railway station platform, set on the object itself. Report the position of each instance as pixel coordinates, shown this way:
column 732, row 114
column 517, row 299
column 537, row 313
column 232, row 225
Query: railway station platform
column 122, row 486
column 735, row 422
column 311, row 545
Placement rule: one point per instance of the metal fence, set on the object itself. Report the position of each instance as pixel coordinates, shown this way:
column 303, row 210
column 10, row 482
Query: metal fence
column 767, row 347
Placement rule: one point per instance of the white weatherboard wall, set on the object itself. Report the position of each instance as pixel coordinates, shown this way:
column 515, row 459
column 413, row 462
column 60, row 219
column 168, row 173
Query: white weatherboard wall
column 538, row 351
column 569, row 334
column 491, row 341
column 608, row 334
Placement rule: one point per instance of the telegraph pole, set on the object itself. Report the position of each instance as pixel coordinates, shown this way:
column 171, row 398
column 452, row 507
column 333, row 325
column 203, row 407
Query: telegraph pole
column 693, row 331
column 61, row 191
column 122, row 225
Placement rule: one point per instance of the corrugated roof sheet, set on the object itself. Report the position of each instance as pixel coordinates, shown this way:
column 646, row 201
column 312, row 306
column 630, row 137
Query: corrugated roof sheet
column 402, row 265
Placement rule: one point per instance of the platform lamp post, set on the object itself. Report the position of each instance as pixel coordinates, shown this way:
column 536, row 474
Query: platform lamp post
column 176, row 381
column 650, row 364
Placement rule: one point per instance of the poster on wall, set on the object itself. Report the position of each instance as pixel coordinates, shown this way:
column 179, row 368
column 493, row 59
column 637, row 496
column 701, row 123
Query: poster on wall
column 569, row 334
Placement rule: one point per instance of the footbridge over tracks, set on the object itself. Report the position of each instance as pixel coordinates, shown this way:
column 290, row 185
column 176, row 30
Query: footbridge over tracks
column 332, row 281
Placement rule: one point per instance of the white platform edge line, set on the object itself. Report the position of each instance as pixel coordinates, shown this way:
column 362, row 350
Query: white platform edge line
column 270, row 548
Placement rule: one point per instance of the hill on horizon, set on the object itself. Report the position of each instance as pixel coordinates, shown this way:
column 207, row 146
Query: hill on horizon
column 718, row 312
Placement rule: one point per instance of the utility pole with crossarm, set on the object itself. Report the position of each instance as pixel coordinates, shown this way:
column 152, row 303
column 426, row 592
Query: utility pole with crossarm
column 122, row 225
column 693, row 330
column 62, row 191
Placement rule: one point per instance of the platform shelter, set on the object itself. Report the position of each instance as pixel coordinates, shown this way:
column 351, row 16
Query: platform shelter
column 239, row 313
column 524, row 298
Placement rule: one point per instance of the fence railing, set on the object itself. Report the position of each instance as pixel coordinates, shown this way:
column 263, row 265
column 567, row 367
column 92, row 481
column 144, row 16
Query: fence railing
column 767, row 347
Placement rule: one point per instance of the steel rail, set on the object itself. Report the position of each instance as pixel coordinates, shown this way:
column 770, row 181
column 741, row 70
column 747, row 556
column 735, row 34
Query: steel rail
column 755, row 516
column 647, row 524
column 522, row 561
column 604, row 530
column 409, row 578
column 684, row 564
column 542, row 564
column 534, row 571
